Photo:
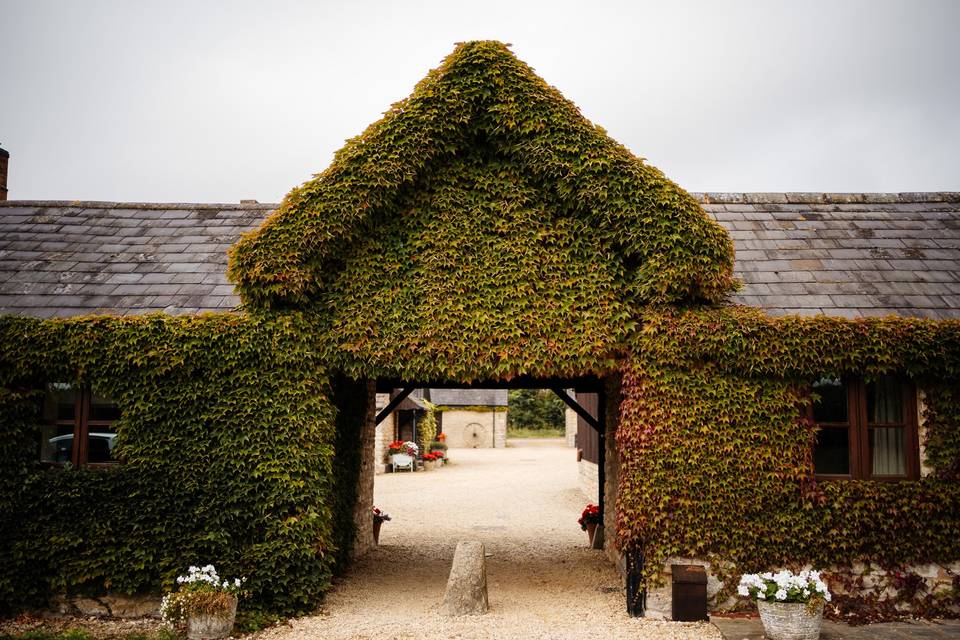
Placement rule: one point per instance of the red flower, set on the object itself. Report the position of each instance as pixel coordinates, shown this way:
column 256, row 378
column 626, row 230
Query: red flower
column 590, row 515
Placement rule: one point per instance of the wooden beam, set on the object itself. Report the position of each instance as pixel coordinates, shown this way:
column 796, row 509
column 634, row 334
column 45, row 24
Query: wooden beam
column 393, row 404
column 599, row 425
column 579, row 410
column 583, row 384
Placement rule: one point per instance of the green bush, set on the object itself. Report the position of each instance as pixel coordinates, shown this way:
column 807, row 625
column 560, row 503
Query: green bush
column 227, row 442
column 535, row 410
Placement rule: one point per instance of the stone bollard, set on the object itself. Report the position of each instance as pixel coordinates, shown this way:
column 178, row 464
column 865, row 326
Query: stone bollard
column 466, row 592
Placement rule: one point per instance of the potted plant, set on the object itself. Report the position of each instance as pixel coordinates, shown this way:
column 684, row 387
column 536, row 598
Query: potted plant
column 441, row 448
column 396, row 447
column 403, row 454
column 203, row 602
column 432, row 460
column 790, row 605
column 590, row 519
column 379, row 517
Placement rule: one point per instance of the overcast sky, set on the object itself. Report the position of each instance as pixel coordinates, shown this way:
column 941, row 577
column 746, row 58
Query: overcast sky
column 220, row 101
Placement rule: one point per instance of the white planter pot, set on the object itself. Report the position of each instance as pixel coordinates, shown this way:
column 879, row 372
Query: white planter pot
column 790, row 621
column 401, row 461
column 212, row 627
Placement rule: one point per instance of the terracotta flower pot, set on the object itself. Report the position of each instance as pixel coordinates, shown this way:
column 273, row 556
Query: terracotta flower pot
column 204, row 626
column 790, row 620
column 591, row 530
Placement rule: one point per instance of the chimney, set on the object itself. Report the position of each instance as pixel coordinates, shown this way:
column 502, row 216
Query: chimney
column 4, row 161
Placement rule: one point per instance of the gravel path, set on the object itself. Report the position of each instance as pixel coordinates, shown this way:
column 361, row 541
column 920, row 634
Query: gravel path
column 522, row 502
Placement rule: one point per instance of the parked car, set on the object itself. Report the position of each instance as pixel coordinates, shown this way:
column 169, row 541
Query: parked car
column 100, row 447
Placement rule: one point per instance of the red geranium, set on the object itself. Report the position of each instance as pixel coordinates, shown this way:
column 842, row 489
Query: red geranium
column 590, row 515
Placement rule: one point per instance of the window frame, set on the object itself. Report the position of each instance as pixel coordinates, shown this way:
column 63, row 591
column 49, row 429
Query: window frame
column 83, row 399
column 860, row 463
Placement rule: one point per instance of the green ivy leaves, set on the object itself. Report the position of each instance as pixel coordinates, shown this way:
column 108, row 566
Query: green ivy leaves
column 483, row 226
column 715, row 457
column 228, row 441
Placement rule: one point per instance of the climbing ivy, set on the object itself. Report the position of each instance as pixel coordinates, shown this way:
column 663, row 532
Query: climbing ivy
column 717, row 457
column 482, row 228
column 226, row 439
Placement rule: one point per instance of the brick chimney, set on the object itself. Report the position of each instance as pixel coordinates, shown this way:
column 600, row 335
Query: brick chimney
column 4, row 161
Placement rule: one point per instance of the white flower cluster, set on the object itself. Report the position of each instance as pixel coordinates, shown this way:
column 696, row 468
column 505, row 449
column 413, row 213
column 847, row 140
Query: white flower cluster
column 208, row 575
column 172, row 610
column 784, row 586
column 175, row 607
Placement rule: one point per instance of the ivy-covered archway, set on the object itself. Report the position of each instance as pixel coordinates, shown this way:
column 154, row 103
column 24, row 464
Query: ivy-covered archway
column 482, row 231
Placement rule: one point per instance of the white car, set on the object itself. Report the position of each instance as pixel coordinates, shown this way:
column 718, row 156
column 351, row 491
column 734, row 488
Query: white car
column 100, row 448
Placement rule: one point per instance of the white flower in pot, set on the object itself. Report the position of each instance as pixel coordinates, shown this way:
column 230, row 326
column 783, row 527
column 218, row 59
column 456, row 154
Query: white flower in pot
column 204, row 603
column 790, row 604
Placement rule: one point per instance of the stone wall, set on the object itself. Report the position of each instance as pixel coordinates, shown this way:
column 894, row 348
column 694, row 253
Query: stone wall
column 937, row 579
column 570, row 426
column 384, row 435
column 925, row 468
column 589, row 480
column 108, row 605
column 612, row 470
column 469, row 429
column 363, row 511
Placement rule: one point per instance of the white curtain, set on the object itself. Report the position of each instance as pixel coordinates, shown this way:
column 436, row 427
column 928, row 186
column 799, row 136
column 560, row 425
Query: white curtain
column 885, row 398
column 888, row 452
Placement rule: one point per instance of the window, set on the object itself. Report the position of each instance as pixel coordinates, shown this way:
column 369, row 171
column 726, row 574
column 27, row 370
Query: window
column 78, row 426
column 866, row 429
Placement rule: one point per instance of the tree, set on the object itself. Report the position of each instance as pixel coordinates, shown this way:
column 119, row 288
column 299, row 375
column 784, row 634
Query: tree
column 535, row 409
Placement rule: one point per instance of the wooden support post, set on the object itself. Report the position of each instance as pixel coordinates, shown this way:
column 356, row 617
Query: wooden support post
column 602, row 452
column 636, row 594
column 578, row 409
column 393, row 404
column 599, row 425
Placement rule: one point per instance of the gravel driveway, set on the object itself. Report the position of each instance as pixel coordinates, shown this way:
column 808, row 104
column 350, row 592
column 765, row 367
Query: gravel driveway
column 522, row 502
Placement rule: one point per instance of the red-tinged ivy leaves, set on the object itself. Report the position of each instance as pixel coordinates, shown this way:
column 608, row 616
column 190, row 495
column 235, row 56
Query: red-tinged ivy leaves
column 716, row 456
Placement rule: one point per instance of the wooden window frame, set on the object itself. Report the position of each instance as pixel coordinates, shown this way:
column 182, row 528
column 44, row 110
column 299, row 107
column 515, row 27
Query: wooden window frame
column 859, row 433
column 81, row 423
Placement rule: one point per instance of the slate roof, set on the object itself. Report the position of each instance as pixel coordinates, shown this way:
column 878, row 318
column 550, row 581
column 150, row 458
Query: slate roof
column 840, row 254
column 469, row 397
column 850, row 255
column 72, row 258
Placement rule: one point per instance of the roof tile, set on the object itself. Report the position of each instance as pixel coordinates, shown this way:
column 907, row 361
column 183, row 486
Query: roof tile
column 848, row 255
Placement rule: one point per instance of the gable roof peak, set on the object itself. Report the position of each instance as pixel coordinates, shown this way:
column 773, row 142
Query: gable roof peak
column 484, row 103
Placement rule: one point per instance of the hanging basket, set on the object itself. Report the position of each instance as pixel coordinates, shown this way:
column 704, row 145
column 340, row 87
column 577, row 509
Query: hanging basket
column 790, row 620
